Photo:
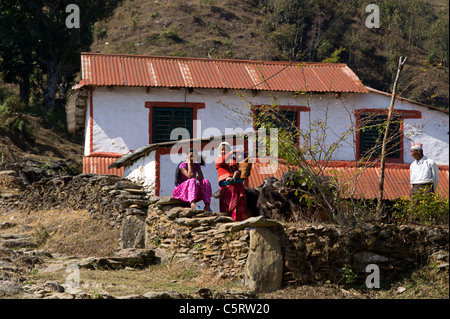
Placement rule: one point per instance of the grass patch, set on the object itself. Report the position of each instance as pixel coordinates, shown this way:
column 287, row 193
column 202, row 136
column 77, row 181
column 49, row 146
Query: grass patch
column 66, row 232
column 180, row 277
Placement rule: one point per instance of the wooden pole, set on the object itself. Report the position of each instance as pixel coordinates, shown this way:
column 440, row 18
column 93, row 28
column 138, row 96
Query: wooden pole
column 401, row 64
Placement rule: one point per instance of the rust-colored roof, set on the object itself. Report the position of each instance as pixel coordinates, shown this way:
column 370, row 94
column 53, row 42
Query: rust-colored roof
column 396, row 180
column 100, row 69
column 100, row 165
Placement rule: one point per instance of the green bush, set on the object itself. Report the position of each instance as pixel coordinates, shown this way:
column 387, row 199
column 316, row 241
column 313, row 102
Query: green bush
column 11, row 105
column 425, row 208
column 4, row 94
column 12, row 118
column 172, row 35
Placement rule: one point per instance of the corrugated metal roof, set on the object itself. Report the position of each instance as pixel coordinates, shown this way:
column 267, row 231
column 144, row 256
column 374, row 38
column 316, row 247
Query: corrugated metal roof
column 100, row 165
column 396, row 183
column 100, row 69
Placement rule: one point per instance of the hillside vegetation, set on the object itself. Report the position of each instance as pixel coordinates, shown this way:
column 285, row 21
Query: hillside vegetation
column 288, row 30
column 332, row 31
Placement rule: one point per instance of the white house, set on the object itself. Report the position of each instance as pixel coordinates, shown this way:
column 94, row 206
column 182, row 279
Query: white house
column 125, row 104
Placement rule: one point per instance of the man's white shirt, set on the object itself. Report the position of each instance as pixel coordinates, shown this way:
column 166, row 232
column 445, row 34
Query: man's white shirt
column 424, row 171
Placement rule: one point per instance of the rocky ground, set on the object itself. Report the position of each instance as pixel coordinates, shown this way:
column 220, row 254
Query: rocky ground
column 61, row 277
column 31, row 268
column 47, row 243
column 71, row 251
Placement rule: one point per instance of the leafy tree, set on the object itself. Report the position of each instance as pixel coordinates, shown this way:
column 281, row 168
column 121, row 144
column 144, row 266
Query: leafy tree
column 308, row 28
column 38, row 37
column 439, row 38
column 17, row 43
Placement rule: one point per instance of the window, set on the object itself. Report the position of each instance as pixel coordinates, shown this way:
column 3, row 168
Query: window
column 286, row 120
column 368, row 124
column 372, row 134
column 166, row 119
column 165, row 116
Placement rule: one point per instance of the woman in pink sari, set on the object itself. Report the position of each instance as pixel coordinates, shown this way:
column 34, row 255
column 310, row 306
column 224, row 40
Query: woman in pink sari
column 232, row 191
column 190, row 185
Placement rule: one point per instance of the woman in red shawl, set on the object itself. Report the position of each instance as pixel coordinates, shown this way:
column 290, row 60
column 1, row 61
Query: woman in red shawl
column 232, row 191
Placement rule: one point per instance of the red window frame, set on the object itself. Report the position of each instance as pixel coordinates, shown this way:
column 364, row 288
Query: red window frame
column 152, row 104
column 293, row 108
column 403, row 114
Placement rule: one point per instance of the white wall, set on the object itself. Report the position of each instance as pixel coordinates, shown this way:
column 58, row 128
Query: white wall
column 143, row 172
column 121, row 124
column 121, row 121
column 432, row 129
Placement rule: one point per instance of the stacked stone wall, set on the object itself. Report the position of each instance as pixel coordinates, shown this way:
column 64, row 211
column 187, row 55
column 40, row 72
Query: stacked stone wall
column 309, row 253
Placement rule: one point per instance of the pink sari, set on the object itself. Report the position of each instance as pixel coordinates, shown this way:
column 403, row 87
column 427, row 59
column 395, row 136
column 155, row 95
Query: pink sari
column 192, row 190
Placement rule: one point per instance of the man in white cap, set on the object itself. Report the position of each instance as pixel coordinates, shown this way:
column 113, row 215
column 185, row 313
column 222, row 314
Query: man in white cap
column 424, row 171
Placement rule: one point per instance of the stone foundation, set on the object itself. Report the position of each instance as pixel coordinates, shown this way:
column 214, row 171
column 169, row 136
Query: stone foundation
column 266, row 254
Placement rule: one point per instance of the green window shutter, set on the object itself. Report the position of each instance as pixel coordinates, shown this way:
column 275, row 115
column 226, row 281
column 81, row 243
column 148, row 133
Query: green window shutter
column 167, row 119
column 290, row 119
column 371, row 138
column 285, row 119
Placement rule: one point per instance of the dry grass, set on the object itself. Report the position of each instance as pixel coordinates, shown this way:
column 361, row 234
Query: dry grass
column 180, row 277
column 74, row 233
column 424, row 283
column 220, row 29
column 66, row 232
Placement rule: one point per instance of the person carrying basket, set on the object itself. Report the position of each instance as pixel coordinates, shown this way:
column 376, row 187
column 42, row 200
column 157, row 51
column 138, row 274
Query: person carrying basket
column 232, row 192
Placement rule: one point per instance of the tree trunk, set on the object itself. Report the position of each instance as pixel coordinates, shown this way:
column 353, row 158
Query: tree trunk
column 25, row 90
column 401, row 64
column 53, row 78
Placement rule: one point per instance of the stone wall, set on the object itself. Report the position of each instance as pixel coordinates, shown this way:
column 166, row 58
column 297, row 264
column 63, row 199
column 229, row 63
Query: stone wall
column 254, row 249
column 315, row 253
column 203, row 237
column 32, row 186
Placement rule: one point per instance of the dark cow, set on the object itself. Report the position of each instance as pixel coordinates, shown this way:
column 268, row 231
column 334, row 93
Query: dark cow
column 251, row 200
column 294, row 188
column 272, row 203
column 280, row 200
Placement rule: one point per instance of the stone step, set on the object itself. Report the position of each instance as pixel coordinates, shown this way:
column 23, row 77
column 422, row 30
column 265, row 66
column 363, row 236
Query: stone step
column 17, row 241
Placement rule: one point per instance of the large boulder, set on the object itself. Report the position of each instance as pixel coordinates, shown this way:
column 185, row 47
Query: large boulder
column 264, row 267
column 132, row 234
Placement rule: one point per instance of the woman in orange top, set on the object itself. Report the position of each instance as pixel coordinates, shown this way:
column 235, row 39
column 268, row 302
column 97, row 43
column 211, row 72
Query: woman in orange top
column 232, row 192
